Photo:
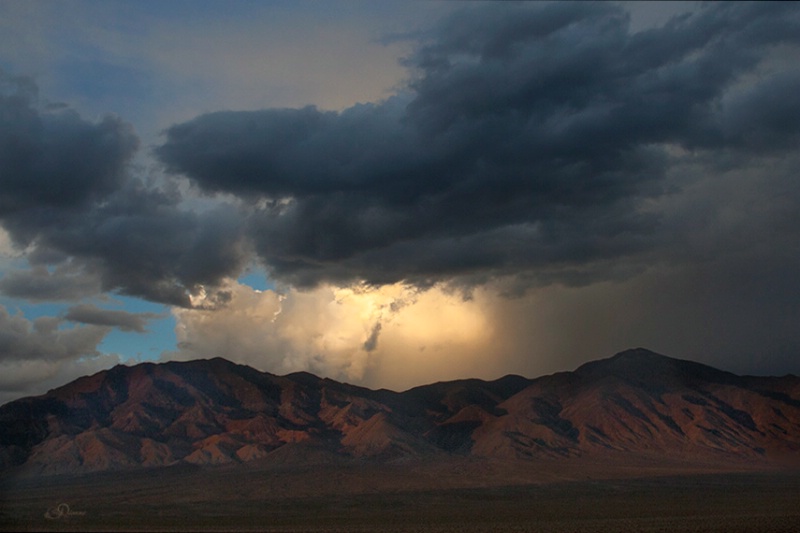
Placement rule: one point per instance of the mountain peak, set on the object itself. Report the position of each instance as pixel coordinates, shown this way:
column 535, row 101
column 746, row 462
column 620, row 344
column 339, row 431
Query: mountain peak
column 648, row 368
column 638, row 353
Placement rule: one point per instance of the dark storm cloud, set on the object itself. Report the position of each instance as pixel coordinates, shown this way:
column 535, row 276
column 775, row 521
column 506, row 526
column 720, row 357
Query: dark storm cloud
column 91, row 314
column 530, row 139
column 541, row 141
column 148, row 246
column 67, row 196
column 765, row 116
column 140, row 242
column 56, row 159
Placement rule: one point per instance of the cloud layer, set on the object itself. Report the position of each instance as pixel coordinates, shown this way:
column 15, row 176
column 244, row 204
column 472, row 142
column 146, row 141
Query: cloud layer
column 69, row 199
column 528, row 141
column 547, row 186
column 531, row 142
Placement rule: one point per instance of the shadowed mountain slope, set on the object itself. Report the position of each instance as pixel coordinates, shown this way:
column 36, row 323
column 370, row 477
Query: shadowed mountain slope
column 210, row 412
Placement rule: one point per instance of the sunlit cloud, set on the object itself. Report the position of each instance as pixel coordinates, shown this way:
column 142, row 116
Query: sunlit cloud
column 358, row 333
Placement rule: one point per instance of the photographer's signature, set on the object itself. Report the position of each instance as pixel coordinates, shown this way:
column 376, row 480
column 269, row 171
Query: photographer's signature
column 61, row 510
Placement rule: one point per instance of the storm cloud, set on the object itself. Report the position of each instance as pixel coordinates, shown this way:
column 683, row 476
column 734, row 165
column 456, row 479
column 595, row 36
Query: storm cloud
column 56, row 159
column 69, row 199
column 539, row 143
column 529, row 141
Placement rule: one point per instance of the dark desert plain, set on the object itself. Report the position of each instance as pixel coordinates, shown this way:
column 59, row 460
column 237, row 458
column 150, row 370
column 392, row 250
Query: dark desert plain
column 557, row 496
column 290, row 265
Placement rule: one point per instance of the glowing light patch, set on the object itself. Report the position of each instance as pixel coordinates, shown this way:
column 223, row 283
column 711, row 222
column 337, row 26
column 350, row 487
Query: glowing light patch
column 341, row 332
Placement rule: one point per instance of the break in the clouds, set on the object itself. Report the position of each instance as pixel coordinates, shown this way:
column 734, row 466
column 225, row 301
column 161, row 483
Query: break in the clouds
column 530, row 140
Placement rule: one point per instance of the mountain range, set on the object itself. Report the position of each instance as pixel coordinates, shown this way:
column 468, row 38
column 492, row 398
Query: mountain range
column 636, row 404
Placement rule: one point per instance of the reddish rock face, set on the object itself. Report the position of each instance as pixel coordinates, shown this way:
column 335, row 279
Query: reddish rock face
column 636, row 403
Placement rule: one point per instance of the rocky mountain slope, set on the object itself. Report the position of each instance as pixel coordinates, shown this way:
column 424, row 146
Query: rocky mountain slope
column 636, row 403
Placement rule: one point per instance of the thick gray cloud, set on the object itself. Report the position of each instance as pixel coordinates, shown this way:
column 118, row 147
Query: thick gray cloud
column 91, row 314
column 141, row 242
column 531, row 141
column 68, row 197
column 56, row 159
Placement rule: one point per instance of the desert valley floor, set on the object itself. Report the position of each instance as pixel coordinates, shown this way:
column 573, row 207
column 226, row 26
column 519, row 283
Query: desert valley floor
column 461, row 495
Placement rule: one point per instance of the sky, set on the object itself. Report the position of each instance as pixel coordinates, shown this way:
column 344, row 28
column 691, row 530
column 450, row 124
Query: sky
column 396, row 193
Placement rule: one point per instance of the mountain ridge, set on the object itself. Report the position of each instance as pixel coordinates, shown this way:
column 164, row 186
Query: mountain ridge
column 214, row 411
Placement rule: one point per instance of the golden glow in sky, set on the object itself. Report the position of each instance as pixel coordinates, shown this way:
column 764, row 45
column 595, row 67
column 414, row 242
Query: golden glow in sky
column 390, row 335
